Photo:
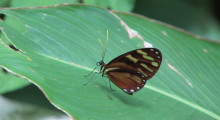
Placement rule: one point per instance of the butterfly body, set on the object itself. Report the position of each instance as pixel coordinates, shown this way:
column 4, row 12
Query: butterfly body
column 130, row 71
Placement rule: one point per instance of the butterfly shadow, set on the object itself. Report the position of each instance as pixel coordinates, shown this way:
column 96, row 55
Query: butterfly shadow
column 131, row 100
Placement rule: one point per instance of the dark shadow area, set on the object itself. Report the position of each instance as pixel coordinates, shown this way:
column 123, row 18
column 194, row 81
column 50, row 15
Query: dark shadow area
column 131, row 100
column 2, row 16
column 4, row 71
column 180, row 13
column 80, row 1
column 13, row 47
column 31, row 95
column 216, row 9
column 4, row 4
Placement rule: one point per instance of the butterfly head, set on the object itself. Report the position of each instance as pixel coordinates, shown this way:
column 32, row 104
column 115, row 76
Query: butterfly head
column 100, row 63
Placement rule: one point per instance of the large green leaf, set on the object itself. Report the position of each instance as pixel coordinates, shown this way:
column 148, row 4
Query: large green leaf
column 58, row 46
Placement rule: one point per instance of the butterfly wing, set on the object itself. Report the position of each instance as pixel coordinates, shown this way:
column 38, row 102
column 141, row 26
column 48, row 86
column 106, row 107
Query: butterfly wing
column 145, row 61
column 127, row 80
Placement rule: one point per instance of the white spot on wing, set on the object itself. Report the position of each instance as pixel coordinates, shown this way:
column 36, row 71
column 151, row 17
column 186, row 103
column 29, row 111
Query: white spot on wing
column 131, row 90
column 125, row 90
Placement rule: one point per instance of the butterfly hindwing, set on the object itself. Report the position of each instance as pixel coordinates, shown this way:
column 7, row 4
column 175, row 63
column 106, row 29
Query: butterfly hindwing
column 127, row 80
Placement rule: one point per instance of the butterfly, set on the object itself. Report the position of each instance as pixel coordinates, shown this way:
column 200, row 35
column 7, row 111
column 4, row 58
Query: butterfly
column 130, row 71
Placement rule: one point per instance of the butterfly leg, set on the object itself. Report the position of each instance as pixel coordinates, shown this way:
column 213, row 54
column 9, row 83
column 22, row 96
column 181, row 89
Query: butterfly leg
column 89, row 80
column 107, row 89
column 109, row 97
column 110, row 85
column 104, row 76
column 91, row 77
column 91, row 72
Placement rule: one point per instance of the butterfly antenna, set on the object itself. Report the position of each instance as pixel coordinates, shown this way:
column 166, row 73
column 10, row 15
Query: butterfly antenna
column 104, row 47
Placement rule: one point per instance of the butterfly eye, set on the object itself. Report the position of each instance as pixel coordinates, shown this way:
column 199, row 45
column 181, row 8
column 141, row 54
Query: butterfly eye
column 100, row 63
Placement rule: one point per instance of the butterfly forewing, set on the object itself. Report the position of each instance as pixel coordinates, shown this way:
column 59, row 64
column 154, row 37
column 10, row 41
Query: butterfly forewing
column 131, row 70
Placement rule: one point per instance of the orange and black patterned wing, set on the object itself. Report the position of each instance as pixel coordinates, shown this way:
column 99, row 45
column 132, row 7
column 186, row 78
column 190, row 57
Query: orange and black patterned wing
column 131, row 70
